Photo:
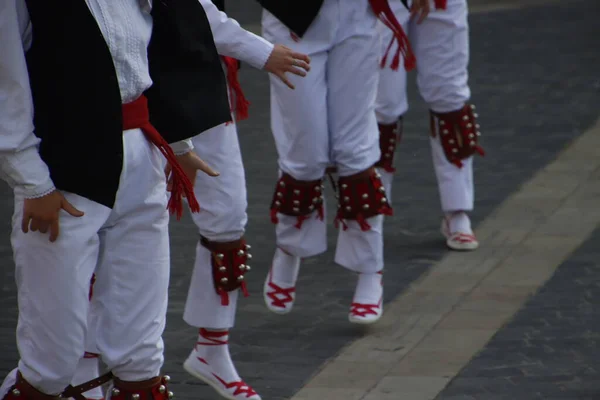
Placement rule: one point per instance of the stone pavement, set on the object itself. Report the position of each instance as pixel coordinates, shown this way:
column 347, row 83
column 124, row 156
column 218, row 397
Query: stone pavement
column 551, row 349
column 535, row 81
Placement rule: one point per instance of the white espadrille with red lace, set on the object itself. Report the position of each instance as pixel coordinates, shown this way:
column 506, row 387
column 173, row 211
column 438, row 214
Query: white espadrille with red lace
column 211, row 362
column 367, row 304
column 279, row 291
column 458, row 239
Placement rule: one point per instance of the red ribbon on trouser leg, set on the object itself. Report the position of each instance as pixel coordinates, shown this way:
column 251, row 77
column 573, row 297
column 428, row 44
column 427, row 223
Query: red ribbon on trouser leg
column 441, row 4
column 136, row 115
column 239, row 103
column 382, row 10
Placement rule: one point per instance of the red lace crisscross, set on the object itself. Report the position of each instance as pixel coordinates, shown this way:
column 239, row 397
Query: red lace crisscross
column 241, row 387
column 463, row 238
column 212, row 337
column 279, row 296
column 362, row 310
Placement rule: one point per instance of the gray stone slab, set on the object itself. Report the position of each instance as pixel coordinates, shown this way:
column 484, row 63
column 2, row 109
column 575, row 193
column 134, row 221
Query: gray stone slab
column 551, row 348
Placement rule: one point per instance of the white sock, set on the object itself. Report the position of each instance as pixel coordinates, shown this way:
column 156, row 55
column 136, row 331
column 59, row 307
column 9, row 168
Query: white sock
column 368, row 288
column 285, row 269
column 459, row 222
column 214, row 349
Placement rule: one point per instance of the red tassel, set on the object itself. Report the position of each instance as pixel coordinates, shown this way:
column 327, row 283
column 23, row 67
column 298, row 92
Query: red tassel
column 245, row 289
column 382, row 10
column 224, row 297
column 136, row 115
column 300, row 221
column 239, row 103
column 339, row 220
column 441, row 4
column 480, row 151
column 274, row 218
column 321, row 213
column 90, row 355
column 362, row 222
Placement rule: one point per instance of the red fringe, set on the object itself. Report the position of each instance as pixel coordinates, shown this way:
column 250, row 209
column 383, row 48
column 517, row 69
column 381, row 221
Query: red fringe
column 224, row 297
column 274, row 218
column 135, row 115
column 362, row 222
column 300, row 221
column 441, row 4
column 239, row 103
column 245, row 289
column 382, row 10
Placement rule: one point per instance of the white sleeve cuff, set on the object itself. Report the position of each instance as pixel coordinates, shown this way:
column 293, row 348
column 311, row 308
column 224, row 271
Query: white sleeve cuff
column 255, row 50
column 182, row 147
column 27, row 173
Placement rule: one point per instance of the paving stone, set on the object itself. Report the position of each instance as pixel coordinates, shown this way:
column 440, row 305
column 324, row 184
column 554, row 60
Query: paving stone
column 551, row 348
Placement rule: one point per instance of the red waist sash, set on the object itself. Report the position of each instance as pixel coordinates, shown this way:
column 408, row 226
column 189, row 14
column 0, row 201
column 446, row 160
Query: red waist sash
column 136, row 115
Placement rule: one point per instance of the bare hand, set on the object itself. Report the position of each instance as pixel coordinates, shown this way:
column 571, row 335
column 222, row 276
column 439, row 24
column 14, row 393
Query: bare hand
column 42, row 214
column 284, row 59
column 420, row 9
column 191, row 163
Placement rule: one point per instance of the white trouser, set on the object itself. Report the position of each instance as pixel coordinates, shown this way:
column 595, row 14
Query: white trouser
column 128, row 248
column 329, row 119
column 441, row 46
column 222, row 218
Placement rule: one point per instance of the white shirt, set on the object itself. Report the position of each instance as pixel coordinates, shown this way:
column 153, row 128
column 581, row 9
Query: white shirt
column 126, row 26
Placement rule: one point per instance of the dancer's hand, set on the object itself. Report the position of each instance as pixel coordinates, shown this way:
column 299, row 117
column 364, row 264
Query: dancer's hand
column 284, row 59
column 42, row 214
column 420, row 9
column 191, row 163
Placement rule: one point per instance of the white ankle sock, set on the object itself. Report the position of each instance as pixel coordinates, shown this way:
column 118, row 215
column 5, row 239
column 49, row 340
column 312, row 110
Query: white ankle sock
column 214, row 349
column 285, row 268
column 368, row 288
column 459, row 222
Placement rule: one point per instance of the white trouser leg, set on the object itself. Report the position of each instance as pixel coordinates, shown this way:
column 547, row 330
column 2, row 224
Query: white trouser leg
column 222, row 218
column 53, row 282
column 455, row 184
column 441, row 46
column 352, row 72
column 132, row 277
column 300, row 128
column 392, row 101
column 387, row 178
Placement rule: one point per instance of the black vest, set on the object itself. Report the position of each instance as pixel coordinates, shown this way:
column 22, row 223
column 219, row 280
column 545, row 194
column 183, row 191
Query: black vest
column 220, row 4
column 296, row 15
column 76, row 96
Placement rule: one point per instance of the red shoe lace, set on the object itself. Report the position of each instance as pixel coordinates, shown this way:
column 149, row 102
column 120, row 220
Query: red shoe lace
column 463, row 238
column 279, row 296
column 362, row 310
column 212, row 337
column 241, row 387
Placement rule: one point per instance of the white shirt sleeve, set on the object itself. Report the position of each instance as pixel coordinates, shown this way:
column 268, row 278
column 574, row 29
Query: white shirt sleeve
column 182, row 147
column 234, row 41
column 20, row 163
